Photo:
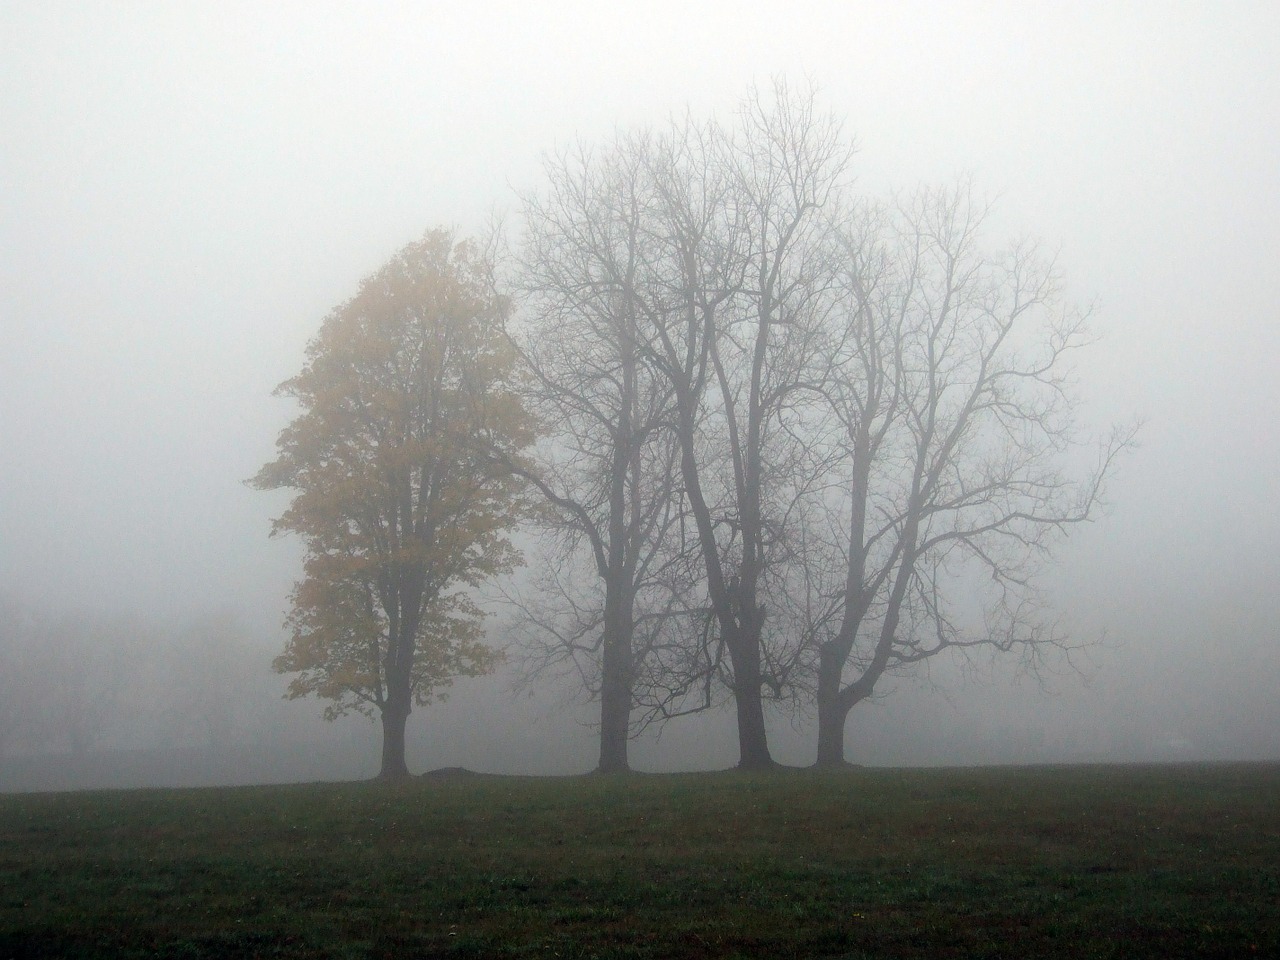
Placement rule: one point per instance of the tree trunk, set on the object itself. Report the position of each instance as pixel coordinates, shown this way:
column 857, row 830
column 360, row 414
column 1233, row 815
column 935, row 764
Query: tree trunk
column 619, row 600
column 615, row 690
column 741, row 634
column 395, row 715
column 831, row 723
column 832, row 714
column 615, row 728
column 753, row 740
column 394, row 720
column 397, row 666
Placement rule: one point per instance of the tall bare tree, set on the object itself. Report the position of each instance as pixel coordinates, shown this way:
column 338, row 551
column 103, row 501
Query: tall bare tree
column 953, row 452
column 736, row 329
column 607, row 467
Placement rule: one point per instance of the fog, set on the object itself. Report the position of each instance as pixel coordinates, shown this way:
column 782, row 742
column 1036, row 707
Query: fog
column 187, row 189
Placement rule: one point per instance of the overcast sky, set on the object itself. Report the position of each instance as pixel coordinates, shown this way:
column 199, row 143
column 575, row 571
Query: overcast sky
column 187, row 188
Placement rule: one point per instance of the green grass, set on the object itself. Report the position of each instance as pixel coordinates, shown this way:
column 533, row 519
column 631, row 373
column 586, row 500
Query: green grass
column 1008, row 862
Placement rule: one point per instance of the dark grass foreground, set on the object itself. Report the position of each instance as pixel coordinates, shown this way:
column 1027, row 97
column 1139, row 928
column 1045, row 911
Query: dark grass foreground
column 1060, row 862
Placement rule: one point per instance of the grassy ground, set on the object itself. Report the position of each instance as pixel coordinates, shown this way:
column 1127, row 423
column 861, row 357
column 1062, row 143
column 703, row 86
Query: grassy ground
column 1012, row 862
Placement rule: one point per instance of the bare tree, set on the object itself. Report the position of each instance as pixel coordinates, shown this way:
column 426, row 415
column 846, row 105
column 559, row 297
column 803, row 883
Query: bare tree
column 736, row 329
column 953, row 451
column 607, row 467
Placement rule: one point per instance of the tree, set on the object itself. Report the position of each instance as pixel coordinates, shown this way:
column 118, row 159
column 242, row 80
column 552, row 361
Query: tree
column 734, row 309
column 607, row 468
column 409, row 413
column 952, row 438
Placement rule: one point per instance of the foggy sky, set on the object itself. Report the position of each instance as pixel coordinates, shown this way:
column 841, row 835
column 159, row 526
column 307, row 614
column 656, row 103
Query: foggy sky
column 187, row 188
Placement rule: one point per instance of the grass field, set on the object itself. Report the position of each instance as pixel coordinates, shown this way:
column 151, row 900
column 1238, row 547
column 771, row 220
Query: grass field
column 1002, row 862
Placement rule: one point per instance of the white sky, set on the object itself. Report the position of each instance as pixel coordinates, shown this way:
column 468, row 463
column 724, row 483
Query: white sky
column 187, row 188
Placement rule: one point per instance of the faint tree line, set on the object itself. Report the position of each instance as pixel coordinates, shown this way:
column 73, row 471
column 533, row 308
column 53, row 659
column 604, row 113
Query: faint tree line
column 76, row 683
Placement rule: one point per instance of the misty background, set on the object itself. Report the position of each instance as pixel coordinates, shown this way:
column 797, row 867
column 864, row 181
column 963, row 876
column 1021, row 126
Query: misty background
column 187, row 189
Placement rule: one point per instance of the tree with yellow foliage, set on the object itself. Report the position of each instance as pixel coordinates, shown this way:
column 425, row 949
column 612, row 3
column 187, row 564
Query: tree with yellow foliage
column 401, row 462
